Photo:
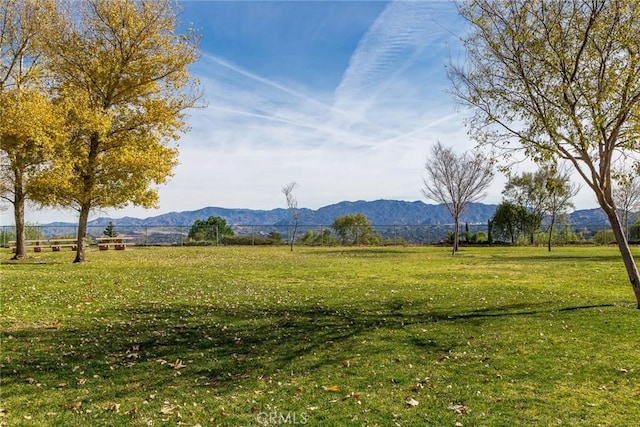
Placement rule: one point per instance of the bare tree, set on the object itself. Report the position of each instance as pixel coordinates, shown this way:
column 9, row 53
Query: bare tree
column 455, row 181
column 292, row 205
column 561, row 80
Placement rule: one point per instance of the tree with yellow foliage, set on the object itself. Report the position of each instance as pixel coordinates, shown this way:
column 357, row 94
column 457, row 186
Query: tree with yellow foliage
column 31, row 128
column 122, row 70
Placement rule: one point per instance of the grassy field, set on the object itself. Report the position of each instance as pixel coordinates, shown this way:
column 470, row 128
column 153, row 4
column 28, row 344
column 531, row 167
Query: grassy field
column 247, row 336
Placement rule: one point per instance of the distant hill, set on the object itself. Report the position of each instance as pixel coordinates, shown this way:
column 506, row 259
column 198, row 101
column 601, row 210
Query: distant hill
column 379, row 212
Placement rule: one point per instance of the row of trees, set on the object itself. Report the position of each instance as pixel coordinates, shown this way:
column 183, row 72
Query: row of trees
column 351, row 229
column 92, row 95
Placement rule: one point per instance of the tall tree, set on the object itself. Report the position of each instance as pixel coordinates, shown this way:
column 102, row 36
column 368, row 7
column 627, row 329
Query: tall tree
column 30, row 125
column 292, row 205
column 456, row 181
column 509, row 220
column 529, row 190
column 545, row 193
column 124, row 68
column 31, row 134
column 562, row 79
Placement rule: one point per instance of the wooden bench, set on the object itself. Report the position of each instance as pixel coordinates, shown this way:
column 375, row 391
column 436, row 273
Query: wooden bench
column 119, row 243
column 57, row 244
column 54, row 243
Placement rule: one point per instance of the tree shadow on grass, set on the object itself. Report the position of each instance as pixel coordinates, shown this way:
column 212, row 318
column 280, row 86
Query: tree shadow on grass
column 149, row 346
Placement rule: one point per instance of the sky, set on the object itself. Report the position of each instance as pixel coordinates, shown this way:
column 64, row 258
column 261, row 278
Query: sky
column 343, row 97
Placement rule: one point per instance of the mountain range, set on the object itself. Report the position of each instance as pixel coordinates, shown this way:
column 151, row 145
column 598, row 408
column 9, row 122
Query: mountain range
column 379, row 212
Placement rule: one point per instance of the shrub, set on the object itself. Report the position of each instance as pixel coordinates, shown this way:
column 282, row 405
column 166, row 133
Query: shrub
column 318, row 238
column 604, row 237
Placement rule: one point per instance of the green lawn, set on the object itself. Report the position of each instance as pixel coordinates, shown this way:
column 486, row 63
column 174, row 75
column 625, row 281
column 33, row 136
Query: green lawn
column 247, row 336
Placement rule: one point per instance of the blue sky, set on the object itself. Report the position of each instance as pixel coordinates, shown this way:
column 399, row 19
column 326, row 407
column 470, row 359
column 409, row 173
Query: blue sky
column 343, row 97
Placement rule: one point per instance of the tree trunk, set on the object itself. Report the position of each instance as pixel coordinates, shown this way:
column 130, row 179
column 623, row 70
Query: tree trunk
column 82, row 233
column 625, row 251
column 293, row 236
column 456, row 235
column 553, row 220
column 87, row 192
column 18, row 215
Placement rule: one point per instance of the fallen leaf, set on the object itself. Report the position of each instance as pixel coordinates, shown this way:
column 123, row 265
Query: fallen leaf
column 114, row 407
column 411, row 402
column 351, row 395
column 331, row 388
column 417, row 387
column 178, row 364
column 81, row 381
column 167, row 410
column 622, row 371
column 346, row 364
column 74, row 406
column 458, row 409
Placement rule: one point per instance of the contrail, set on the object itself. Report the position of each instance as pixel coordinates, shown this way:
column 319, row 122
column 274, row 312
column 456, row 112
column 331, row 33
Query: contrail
column 315, row 120
column 392, row 44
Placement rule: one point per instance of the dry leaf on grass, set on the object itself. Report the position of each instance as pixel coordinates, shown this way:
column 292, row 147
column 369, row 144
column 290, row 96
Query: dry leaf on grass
column 74, row 406
column 114, row 407
column 411, row 402
column 331, row 388
column 178, row 364
column 458, row 409
column 351, row 395
column 167, row 409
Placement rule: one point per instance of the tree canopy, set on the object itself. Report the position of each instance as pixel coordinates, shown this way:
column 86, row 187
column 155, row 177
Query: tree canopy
column 355, row 229
column 210, row 229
